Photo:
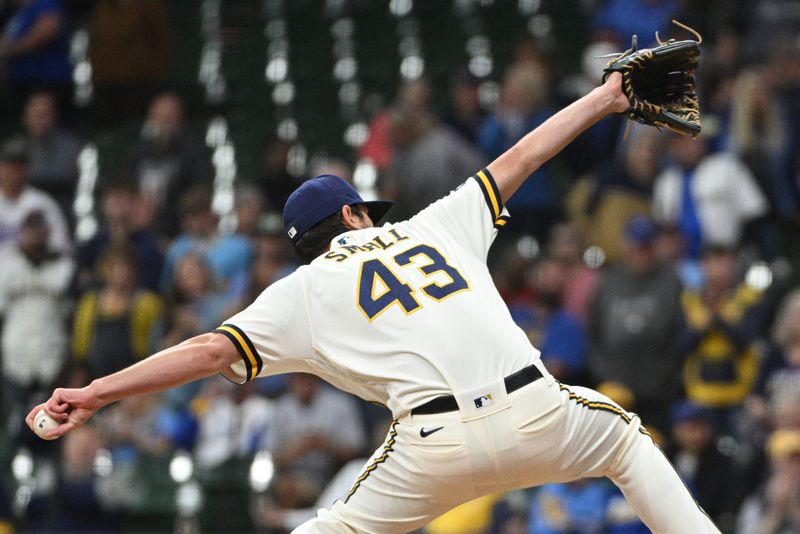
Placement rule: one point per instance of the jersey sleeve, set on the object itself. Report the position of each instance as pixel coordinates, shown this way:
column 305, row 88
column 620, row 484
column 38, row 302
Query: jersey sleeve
column 272, row 335
column 472, row 214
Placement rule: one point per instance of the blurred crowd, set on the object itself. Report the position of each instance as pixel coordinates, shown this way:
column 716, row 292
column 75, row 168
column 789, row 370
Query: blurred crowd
column 662, row 270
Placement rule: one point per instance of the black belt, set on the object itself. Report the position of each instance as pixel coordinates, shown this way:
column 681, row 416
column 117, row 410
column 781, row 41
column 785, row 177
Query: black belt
column 447, row 403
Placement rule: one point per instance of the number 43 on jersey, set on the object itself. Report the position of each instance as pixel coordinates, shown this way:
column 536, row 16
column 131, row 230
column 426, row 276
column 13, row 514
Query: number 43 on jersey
column 379, row 287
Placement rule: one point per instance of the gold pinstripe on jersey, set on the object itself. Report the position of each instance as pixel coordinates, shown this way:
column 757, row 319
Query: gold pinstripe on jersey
column 501, row 222
column 603, row 406
column 244, row 346
column 490, row 192
column 387, row 448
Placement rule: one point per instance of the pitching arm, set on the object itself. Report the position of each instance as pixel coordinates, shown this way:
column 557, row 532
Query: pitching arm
column 512, row 168
column 195, row 358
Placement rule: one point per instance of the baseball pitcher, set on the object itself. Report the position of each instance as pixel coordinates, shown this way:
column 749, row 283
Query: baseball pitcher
column 406, row 315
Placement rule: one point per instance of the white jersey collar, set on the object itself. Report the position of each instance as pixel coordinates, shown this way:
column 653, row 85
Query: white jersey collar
column 355, row 237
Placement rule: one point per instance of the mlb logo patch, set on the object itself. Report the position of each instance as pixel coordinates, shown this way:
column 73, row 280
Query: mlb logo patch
column 483, row 401
column 344, row 240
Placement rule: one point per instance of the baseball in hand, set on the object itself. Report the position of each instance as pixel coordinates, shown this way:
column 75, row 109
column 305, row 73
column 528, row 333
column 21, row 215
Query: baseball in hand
column 42, row 424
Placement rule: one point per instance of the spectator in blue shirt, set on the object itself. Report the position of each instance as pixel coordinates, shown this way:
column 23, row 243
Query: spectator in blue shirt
column 558, row 333
column 35, row 47
column 228, row 256
column 577, row 507
column 619, row 19
column 522, row 107
column 122, row 213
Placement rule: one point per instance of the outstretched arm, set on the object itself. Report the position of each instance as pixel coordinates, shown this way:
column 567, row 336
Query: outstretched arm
column 512, row 168
column 195, row 358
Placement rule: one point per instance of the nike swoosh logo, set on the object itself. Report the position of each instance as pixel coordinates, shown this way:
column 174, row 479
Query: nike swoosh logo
column 425, row 433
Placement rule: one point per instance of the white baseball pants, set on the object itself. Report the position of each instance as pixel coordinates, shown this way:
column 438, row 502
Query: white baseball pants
column 542, row 433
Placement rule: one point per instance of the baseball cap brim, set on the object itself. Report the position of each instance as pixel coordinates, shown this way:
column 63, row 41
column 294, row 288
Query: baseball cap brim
column 377, row 209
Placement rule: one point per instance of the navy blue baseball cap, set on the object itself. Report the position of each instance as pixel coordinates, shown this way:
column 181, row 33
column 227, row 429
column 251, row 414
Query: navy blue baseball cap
column 320, row 197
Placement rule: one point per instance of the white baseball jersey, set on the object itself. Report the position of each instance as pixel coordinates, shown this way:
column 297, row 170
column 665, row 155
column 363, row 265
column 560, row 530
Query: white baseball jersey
column 397, row 314
column 407, row 312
